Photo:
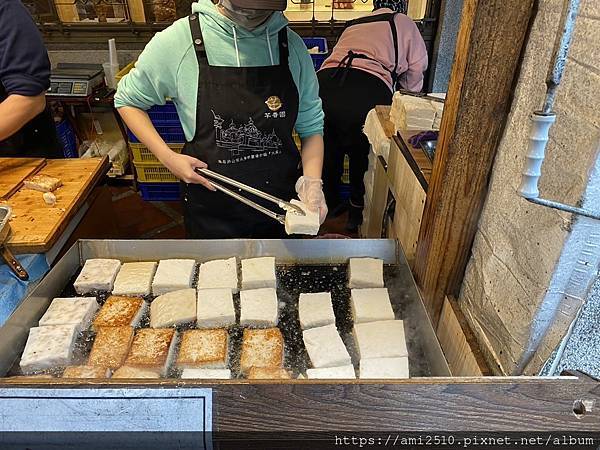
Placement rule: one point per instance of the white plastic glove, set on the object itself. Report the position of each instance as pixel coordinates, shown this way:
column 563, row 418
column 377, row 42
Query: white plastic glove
column 310, row 192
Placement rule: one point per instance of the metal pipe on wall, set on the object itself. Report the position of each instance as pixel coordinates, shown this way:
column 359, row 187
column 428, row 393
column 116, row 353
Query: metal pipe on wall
column 542, row 122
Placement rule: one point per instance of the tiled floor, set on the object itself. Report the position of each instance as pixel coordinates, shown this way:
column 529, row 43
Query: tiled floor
column 135, row 218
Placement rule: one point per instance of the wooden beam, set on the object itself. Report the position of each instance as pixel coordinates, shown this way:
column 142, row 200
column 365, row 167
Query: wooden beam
column 488, row 56
column 459, row 343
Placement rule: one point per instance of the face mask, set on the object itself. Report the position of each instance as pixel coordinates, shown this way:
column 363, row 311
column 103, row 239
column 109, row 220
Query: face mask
column 247, row 18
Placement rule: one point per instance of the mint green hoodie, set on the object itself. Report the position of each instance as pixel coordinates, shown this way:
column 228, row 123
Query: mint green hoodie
column 168, row 67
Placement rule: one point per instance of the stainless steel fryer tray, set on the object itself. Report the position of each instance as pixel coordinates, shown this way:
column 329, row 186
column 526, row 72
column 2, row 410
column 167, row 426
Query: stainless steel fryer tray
column 316, row 251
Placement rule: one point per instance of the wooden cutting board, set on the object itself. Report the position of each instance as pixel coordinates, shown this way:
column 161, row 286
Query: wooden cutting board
column 36, row 226
column 14, row 170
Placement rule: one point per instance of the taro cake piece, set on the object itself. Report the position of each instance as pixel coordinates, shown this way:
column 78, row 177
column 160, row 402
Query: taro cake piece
column 97, row 275
column 371, row 305
column 215, row 308
column 206, row 374
column 135, row 372
column 259, row 307
column 261, row 348
column 332, row 373
column 384, row 368
column 173, row 308
column 203, row 349
column 48, row 347
column 120, row 311
column 111, row 347
column 152, row 348
column 259, row 273
column 315, row 310
column 384, row 339
column 219, row 274
column 135, row 278
column 365, row 273
column 173, row 275
column 268, row 373
column 325, row 347
column 86, row 372
column 76, row 311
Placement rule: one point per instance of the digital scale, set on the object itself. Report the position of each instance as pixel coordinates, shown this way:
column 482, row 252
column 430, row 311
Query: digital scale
column 75, row 80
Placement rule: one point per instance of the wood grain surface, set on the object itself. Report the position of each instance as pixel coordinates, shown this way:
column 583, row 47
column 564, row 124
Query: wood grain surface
column 488, row 55
column 450, row 404
column 14, row 170
column 36, row 226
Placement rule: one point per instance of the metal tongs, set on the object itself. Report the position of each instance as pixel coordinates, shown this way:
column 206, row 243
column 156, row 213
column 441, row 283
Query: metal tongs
column 286, row 206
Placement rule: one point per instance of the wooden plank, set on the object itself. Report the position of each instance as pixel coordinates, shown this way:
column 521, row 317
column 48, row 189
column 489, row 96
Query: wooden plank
column 488, row 54
column 484, row 404
column 136, row 11
column 410, row 201
column 36, row 226
column 459, row 343
column 383, row 112
column 14, row 170
column 67, row 11
column 378, row 201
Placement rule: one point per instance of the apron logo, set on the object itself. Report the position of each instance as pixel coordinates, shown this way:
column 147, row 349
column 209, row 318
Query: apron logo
column 274, row 103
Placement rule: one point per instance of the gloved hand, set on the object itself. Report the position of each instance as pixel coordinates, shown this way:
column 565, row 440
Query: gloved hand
column 310, row 192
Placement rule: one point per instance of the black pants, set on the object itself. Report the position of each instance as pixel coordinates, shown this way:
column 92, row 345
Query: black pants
column 346, row 106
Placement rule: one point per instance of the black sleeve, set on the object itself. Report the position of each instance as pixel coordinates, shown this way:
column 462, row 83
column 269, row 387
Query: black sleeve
column 24, row 63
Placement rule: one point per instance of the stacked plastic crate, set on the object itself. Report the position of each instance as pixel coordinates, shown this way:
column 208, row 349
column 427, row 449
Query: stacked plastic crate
column 156, row 182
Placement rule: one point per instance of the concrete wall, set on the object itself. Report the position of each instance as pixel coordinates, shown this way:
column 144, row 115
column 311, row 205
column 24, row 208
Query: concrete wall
column 445, row 45
column 523, row 262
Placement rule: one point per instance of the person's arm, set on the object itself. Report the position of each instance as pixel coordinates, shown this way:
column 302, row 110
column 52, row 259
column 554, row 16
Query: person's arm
column 312, row 156
column 18, row 110
column 150, row 82
column 182, row 166
column 413, row 46
column 24, row 68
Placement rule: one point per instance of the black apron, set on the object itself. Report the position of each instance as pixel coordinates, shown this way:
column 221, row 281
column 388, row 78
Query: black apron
column 244, row 122
column 37, row 139
column 346, row 63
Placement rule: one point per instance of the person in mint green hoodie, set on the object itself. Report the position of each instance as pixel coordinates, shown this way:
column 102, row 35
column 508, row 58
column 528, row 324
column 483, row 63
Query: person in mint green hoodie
column 242, row 82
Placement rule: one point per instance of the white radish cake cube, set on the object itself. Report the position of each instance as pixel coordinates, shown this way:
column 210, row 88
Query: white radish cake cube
column 76, row 311
column 383, row 339
column 173, row 308
column 219, row 274
column 215, row 308
column 365, row 273
column 135, row 372
column 259, row 308
column 371, row 305
column 315, row 310
column 173, row 275
column 325, row 347
column 206, row 374
column 48, row 347
column 97, row 275
column 308, row 223
column 86, row 372
column 204, row 349
column 135, row 278
column 332, row 373
column 259, row 273
column 384, row 368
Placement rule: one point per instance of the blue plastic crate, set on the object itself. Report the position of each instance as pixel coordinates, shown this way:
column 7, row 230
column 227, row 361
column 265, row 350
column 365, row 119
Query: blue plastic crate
column 164, row 114
column 160, row 192
column 318, row 58
column 67, row 138
column 344, row 191
column 171, row 134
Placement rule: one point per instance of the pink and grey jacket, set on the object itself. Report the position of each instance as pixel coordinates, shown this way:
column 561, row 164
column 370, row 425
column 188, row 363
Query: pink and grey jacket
column 375, row 41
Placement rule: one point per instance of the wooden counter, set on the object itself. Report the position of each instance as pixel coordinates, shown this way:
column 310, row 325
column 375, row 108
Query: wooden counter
column 35, row 226
column 401, row 181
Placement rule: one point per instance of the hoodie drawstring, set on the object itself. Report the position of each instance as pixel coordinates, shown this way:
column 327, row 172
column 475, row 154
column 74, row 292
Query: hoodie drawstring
column 237, row 52
column 269, row 45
